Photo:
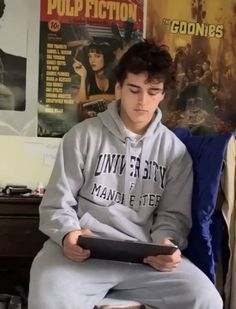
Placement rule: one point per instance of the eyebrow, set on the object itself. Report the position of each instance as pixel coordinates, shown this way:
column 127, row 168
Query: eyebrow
column 132, row 85
column 138, row 87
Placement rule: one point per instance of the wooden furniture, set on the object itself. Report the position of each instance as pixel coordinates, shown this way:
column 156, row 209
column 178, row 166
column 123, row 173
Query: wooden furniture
column 20, row 238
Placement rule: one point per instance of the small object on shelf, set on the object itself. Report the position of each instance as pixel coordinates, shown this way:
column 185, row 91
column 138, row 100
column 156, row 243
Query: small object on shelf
column 16, row 190
column 40, row 190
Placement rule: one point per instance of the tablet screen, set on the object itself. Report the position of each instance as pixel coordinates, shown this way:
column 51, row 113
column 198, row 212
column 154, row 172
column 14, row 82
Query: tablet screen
column 122, row 250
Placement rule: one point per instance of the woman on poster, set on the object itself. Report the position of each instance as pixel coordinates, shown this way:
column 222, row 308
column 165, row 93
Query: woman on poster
column 96, row 80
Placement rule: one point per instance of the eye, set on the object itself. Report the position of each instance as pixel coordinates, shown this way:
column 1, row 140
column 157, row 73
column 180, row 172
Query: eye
column 154, row 92
column 134, row 90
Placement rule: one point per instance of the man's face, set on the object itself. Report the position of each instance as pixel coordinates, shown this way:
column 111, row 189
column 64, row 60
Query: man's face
column 139, row 101
column 2, row 7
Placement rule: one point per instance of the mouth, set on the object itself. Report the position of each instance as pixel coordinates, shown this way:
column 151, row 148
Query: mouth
column 139, row 110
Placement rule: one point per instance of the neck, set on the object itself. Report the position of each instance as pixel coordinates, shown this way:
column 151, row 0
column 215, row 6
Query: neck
column 137, row 128
column 100, row 74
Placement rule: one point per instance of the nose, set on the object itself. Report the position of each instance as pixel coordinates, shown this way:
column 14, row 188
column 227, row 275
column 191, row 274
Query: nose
column 141, row 98
column 91, row 58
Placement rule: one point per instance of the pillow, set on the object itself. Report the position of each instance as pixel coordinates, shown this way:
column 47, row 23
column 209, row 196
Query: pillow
column 204, row 243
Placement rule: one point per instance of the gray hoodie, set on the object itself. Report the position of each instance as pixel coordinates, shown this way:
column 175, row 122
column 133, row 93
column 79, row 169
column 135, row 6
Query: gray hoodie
column 119, row 185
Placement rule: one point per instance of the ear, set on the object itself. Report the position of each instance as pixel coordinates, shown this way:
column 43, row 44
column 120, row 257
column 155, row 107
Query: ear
column 163, row 95
column 118, row 86
column 117, row 91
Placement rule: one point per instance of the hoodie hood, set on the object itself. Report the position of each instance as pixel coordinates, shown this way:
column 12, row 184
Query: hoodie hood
column 112, row 121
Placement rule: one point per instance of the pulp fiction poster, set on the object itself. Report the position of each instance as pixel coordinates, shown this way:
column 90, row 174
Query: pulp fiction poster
column 80, row 43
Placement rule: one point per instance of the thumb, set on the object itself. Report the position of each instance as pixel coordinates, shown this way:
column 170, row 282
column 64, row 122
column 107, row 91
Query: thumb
column 166, row 241
column 87, row 232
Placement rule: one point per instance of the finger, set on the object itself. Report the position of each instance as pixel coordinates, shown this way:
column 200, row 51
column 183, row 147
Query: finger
column 160, row 264
column 168, row 258
column 88, row 232
column 77, row 251
column 166, row 264
column 78, row 257
column 77, row 66
column 164, row 268
column 163, row 258
column 80, row 253
column 166, row 241
column 160, row 268
column 77, row 61
column 160, row 259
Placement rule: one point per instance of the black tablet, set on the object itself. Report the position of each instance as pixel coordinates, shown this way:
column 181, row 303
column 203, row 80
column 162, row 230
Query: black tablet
column 122, row 250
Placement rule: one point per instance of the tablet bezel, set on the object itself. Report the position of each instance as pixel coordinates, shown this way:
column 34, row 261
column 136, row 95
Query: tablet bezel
column 122, row 250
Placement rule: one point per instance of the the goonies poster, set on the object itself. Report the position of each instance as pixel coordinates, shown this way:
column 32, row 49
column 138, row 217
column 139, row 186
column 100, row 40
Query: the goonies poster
column 201, row 36
column 80, row 43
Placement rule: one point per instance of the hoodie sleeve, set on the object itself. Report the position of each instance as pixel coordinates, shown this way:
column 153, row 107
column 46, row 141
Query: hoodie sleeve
column 173, row 218
column 57, row 213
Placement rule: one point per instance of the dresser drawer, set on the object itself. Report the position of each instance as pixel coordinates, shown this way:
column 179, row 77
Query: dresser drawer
column 19, row 236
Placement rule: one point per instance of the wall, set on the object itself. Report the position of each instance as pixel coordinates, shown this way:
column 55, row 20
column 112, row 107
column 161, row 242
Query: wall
column 26, row 160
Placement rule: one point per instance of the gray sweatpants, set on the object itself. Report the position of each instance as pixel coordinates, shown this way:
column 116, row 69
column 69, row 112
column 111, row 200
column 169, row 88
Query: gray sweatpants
column 58, row 283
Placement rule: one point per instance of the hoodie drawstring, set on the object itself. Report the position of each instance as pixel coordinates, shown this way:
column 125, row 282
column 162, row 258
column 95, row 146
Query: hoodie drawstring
column 127, row 172
column 139, row 183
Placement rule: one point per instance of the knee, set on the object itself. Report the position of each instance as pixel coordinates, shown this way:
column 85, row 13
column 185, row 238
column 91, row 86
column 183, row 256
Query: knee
column 206, row 297
column 213, row 299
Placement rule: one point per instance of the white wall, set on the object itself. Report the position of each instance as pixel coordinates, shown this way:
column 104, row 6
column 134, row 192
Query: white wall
column 26, row 160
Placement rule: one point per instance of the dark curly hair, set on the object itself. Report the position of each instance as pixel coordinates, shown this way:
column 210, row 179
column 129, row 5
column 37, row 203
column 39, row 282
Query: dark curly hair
column 147, row 57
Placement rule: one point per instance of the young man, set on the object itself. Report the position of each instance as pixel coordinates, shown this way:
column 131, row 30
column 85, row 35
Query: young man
column 125, row 175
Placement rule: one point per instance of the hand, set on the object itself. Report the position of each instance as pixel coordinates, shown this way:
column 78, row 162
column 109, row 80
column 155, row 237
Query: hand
column 79, row 68
column 164, row 262
column 70, row 248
